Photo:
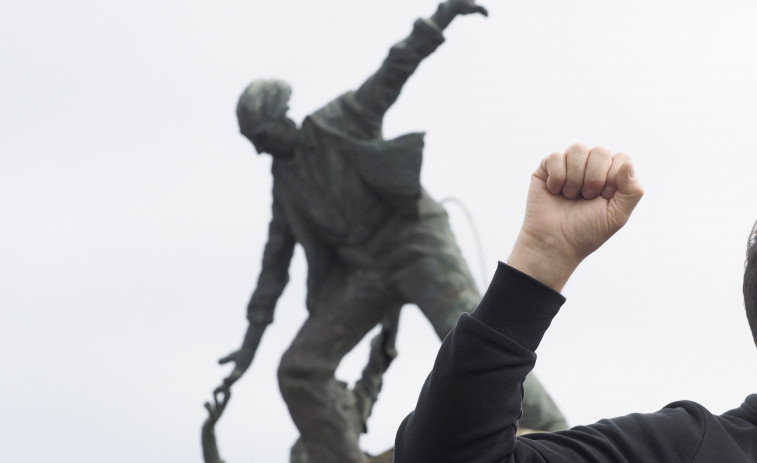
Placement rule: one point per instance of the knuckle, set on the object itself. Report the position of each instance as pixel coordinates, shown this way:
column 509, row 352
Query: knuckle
column 621, row 157
column 601, row 151
column 558, row 176
column 593, row 185
column 555, row 159
column 578, row 148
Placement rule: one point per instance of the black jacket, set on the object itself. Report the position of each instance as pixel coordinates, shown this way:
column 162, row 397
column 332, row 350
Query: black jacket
column 469, row 407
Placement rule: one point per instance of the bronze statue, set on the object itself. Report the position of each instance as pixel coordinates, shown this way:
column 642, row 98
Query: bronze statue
column 373, row 238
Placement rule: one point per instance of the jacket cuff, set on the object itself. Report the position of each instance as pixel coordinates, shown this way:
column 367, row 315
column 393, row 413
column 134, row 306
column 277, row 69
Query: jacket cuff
column 518, row 306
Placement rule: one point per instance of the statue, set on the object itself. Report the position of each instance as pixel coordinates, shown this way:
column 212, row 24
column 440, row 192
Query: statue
column 374, row 240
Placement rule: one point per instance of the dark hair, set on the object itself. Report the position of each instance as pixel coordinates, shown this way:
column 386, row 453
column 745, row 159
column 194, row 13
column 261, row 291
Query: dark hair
column 750, row 282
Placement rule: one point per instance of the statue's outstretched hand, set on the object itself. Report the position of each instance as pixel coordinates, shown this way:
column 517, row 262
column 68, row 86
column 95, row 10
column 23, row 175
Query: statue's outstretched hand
column 576, row 201
column 468, row 7
column 449, row 9
column 242, row 359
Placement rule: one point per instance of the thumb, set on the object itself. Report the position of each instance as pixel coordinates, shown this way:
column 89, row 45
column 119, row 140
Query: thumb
column 227, row 359
column 629, row 191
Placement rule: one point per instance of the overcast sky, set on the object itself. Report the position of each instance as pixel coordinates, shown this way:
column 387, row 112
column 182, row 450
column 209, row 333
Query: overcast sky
column 134, row 214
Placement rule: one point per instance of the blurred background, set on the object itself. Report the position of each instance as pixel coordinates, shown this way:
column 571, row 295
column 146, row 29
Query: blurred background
column 133, row 214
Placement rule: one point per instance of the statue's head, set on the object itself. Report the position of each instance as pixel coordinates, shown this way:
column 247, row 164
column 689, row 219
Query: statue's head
column 750, row 282
column 261, row 112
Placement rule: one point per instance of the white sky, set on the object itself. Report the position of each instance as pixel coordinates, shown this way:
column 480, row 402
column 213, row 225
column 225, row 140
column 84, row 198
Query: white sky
column 134, row 214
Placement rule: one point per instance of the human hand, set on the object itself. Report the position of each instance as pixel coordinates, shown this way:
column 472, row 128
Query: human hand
column 576, row 201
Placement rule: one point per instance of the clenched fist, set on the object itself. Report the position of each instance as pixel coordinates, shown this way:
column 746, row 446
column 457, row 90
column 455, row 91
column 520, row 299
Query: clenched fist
column 576, row 201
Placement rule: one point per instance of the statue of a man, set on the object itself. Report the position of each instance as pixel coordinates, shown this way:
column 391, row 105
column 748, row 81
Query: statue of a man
column 373, row 238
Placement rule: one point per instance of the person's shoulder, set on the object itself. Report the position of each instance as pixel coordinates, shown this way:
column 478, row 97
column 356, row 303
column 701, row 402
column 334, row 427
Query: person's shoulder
column 750, row 403
column 731, row 436
column 697, row 409
column 685, row 404
column 725, row 436
column 747, row 412
column 693, row 410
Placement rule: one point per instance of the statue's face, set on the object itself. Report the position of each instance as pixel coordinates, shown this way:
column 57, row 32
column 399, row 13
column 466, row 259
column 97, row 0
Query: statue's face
column 275, row 137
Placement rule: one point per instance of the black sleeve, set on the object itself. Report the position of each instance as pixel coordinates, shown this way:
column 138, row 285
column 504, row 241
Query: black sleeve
column 469, row 407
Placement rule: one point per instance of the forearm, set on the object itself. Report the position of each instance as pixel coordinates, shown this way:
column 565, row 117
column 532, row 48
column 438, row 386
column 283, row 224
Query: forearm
column 443, row 16
column 273, row 278
column 274, row 274
column 469, row 407
column 253, row 336
column 382, row 89
column 541, row 261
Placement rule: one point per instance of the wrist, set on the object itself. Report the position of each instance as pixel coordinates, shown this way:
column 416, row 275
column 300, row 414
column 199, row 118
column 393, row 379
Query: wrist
column 542, row 260
column 443, row 16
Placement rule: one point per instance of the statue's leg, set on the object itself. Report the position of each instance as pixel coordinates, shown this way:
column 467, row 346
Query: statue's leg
column 440, row 283
column 539, row 410
column 383, row 352
column 432, row 273
column 441, row 288
column 352, row 307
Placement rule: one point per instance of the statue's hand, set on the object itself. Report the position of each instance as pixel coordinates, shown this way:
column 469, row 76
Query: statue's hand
column 215, row 409
column 242, row 359
column 467, row 7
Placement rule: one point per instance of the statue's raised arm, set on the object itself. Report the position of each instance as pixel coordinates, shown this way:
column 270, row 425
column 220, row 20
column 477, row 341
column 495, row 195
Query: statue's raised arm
column 380, row 91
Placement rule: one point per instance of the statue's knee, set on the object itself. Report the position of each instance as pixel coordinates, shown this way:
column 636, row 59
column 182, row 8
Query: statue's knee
column 290, row 369
column 299, row 373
